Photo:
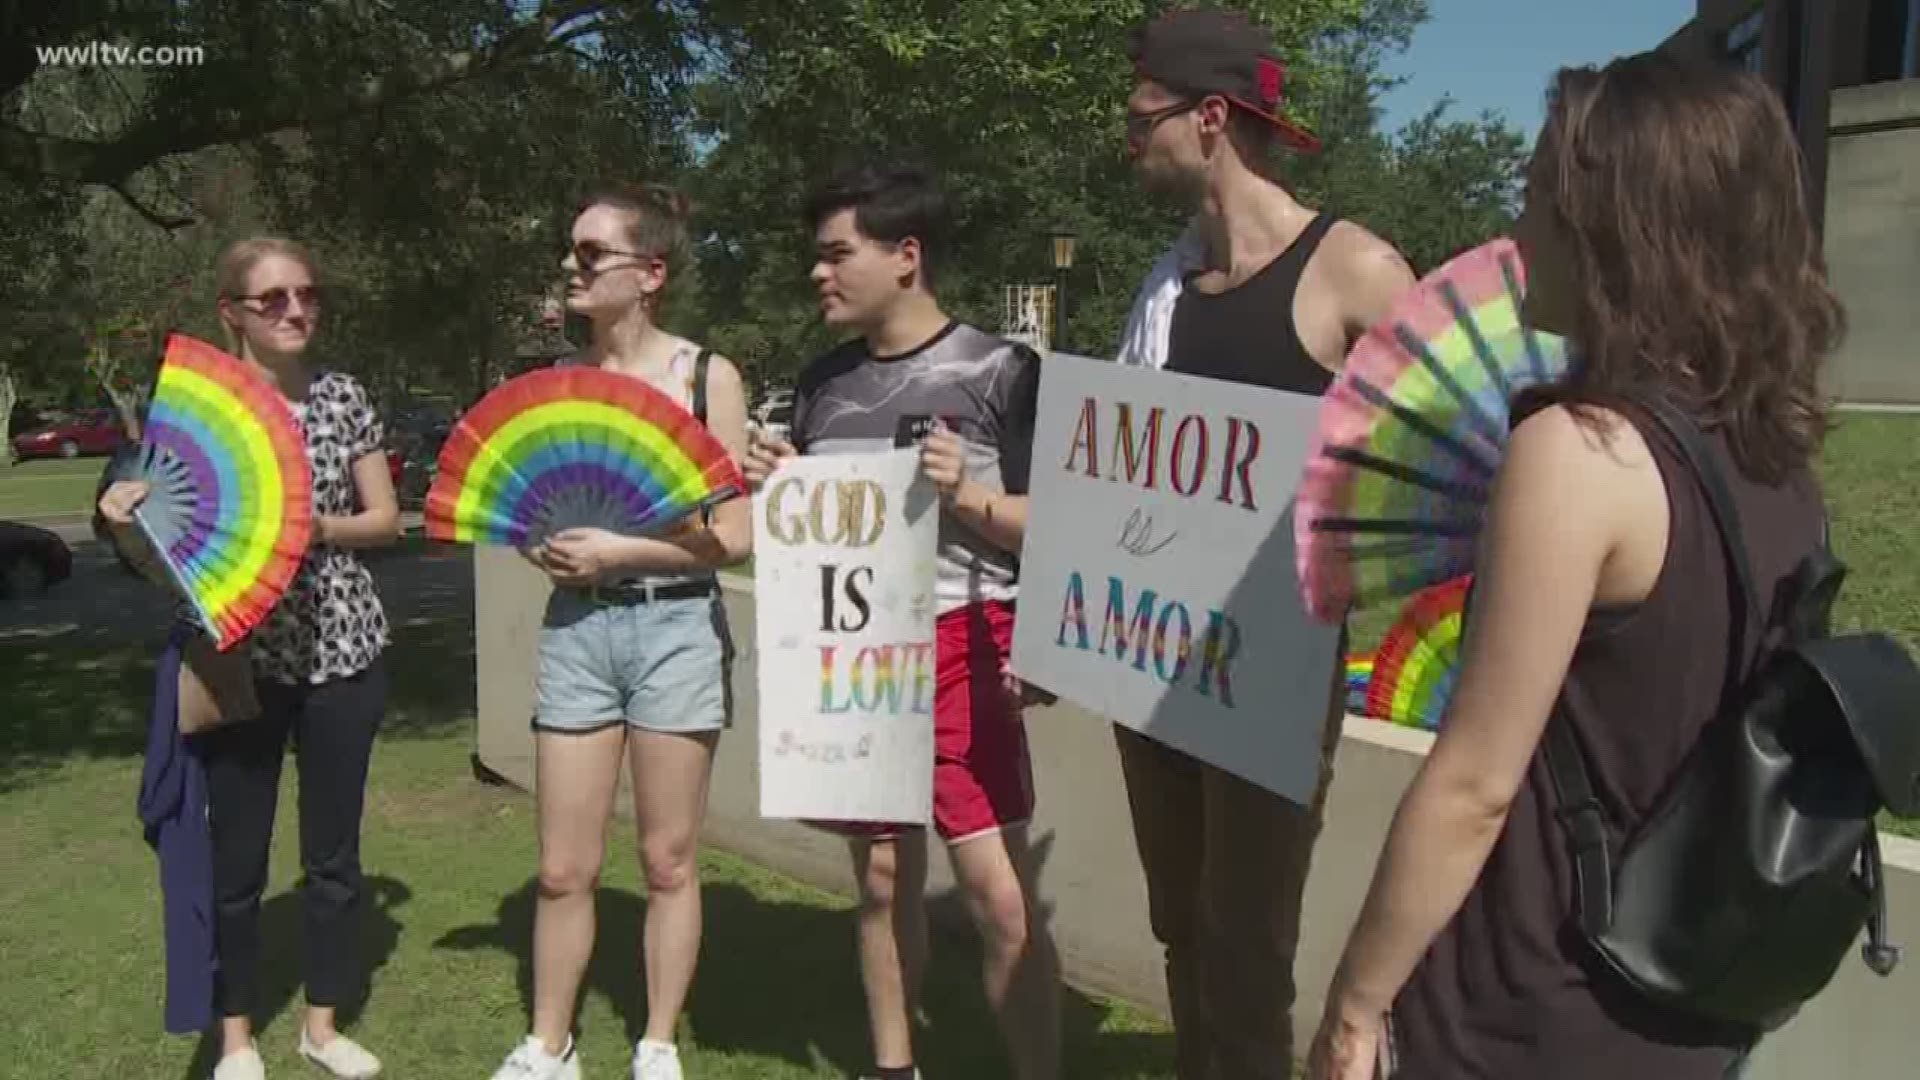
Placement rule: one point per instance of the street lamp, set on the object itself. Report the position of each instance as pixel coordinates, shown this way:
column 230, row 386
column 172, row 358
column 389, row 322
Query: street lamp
column 1063, row 248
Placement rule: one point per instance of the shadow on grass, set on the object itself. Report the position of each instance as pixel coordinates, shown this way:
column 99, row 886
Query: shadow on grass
column 73, row 692
column 780, row 979
column 281, row 963
column 82, row 691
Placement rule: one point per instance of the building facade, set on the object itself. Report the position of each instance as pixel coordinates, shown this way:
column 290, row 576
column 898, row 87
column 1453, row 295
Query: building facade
column 1849, row 73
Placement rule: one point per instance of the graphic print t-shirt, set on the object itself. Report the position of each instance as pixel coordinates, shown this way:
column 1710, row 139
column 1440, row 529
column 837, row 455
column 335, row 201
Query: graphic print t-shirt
column 984, row 387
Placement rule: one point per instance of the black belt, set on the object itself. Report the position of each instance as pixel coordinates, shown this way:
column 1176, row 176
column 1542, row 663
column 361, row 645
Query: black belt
column 640, row 592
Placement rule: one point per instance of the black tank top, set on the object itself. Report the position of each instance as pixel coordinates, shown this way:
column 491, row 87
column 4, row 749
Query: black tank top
column 1246, row 333
column 1507, row 989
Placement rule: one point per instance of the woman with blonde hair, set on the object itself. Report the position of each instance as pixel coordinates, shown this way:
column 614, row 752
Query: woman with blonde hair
column 318, row 675
column 635, row 657
column 1666, row 236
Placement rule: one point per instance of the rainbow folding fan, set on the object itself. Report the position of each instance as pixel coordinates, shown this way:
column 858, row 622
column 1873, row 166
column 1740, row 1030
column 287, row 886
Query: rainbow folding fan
column 573, row 447
column 1411, row 433
column 1419, row 658
column 1359, row 678
column 229, row 506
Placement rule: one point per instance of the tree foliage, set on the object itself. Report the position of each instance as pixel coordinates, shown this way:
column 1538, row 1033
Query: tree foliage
column 432, row 155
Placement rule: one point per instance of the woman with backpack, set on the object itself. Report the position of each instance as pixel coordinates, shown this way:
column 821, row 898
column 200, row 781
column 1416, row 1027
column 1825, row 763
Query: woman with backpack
column 1666, row 236
column 634, row 657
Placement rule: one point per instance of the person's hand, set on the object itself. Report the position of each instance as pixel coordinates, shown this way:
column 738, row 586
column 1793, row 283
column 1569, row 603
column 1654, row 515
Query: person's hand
column 764, row 455
column 119, row 501
column 579, row 558
column 536, row 556
column 943, row 459
column 1347, row 1046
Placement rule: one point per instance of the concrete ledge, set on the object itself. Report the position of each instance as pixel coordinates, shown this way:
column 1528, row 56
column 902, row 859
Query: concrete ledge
column 1878, row 105
column 1090, row 876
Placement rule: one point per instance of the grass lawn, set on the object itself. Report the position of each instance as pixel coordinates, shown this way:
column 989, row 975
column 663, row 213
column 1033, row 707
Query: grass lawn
column 449, row 864
column 44, row 488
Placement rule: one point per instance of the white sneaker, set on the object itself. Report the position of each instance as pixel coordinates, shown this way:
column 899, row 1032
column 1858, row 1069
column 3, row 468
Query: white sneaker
column 656, row 1061
column 342, row 1057
column 245, row 1065
column 530, row 1061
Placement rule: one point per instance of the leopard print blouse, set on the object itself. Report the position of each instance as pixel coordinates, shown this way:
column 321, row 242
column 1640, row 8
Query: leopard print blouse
column 330, row 624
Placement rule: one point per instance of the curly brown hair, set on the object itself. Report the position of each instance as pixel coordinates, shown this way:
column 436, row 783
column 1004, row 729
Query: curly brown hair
column 1678, row 196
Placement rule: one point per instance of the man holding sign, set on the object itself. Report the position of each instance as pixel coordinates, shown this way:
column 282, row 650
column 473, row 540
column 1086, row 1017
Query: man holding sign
column 1261, row 291
column 965, row 398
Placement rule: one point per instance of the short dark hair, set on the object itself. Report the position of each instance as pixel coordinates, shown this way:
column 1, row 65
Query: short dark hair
column 890, row 202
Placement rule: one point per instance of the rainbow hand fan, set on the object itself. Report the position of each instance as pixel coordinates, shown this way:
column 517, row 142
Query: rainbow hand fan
column 229, row 507
column 1418, row 660
column 1411, row 434
column 572, row 447
column 1359, row 679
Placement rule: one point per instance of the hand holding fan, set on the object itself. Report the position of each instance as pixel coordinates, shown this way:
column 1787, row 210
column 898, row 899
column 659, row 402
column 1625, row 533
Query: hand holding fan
column 1411, row 434
column 229, row 506
column 1419, row 659
column 574, row 447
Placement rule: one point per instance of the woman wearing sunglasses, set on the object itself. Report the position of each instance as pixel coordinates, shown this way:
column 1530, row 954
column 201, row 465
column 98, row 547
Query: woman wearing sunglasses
column 318, row 675
column 634, row 658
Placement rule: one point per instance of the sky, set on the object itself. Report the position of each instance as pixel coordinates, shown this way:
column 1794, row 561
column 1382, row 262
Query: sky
column 1498, row 54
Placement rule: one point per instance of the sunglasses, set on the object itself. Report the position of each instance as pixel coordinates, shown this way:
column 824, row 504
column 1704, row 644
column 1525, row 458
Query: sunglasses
column 587, row 255
column 1141, row 125
column 273, row 303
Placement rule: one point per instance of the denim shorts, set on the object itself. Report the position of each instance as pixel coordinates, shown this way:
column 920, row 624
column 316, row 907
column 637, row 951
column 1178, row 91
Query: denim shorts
column 659, row 665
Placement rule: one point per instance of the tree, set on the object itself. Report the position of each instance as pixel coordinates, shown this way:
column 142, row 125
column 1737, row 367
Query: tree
column 1018, row 105
column 367, row 56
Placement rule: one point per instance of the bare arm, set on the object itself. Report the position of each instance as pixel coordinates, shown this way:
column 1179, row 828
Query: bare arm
column 998, row 517
column 378, row 522
column 1371, row 277
column 1559, row 514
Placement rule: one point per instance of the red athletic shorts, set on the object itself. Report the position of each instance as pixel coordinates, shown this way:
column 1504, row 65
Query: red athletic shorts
column 982, row 774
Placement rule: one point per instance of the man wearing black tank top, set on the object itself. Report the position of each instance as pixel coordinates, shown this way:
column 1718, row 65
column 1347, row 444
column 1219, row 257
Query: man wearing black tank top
column 1259, row 290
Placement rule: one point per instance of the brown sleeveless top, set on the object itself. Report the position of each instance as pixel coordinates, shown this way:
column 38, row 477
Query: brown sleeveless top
column 1508, row 991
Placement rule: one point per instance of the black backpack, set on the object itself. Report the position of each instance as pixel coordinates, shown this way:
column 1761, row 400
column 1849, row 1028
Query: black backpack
column 1741, row 893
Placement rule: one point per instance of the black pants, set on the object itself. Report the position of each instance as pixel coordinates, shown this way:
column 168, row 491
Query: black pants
column 332, row 725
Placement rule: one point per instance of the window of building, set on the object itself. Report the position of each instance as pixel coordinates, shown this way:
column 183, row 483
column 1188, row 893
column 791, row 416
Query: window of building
column 1742, row 41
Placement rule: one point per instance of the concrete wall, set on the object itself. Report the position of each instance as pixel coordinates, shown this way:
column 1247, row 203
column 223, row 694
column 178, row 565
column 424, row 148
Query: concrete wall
column 1873, row 240
column 1090, row 877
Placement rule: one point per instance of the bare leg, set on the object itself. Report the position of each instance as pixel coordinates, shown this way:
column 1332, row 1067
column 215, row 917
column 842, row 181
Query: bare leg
column 892, row 931
column 576, row 779
column 670, row 777
column 236, row 1034
column 1022, row 972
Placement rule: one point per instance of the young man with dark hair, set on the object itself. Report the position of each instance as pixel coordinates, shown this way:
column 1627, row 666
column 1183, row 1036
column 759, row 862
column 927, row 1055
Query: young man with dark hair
column 878, row 231
column 1265, row 291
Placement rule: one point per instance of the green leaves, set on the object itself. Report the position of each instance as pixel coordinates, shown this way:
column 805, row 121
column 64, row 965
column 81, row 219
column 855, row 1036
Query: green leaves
column 432, row 155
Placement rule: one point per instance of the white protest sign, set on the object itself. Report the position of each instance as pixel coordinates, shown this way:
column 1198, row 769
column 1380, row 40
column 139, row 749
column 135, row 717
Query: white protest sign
column 1157, row 583
column 843, row 600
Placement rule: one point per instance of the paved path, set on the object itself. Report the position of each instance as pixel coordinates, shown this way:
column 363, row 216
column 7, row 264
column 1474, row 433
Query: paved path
column 415, row 582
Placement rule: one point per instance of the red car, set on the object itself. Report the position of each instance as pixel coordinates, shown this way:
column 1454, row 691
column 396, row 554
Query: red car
column 96, row 431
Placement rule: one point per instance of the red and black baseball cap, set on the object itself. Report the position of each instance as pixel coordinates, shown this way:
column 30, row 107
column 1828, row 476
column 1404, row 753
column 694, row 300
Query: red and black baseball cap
column 1203, row 51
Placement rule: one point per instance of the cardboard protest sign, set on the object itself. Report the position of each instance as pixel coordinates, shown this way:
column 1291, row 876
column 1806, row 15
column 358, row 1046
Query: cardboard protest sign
column 1157, row 583
column 844, row 613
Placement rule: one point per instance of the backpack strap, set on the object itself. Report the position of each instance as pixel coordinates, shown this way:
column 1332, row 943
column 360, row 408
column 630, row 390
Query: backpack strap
column 1580, row 812
column 1580, row 818
column 1706, row 466
column 700, row 365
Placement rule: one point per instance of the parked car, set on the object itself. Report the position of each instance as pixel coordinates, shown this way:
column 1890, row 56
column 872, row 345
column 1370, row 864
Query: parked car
column 31, row 560
column 96, row 431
